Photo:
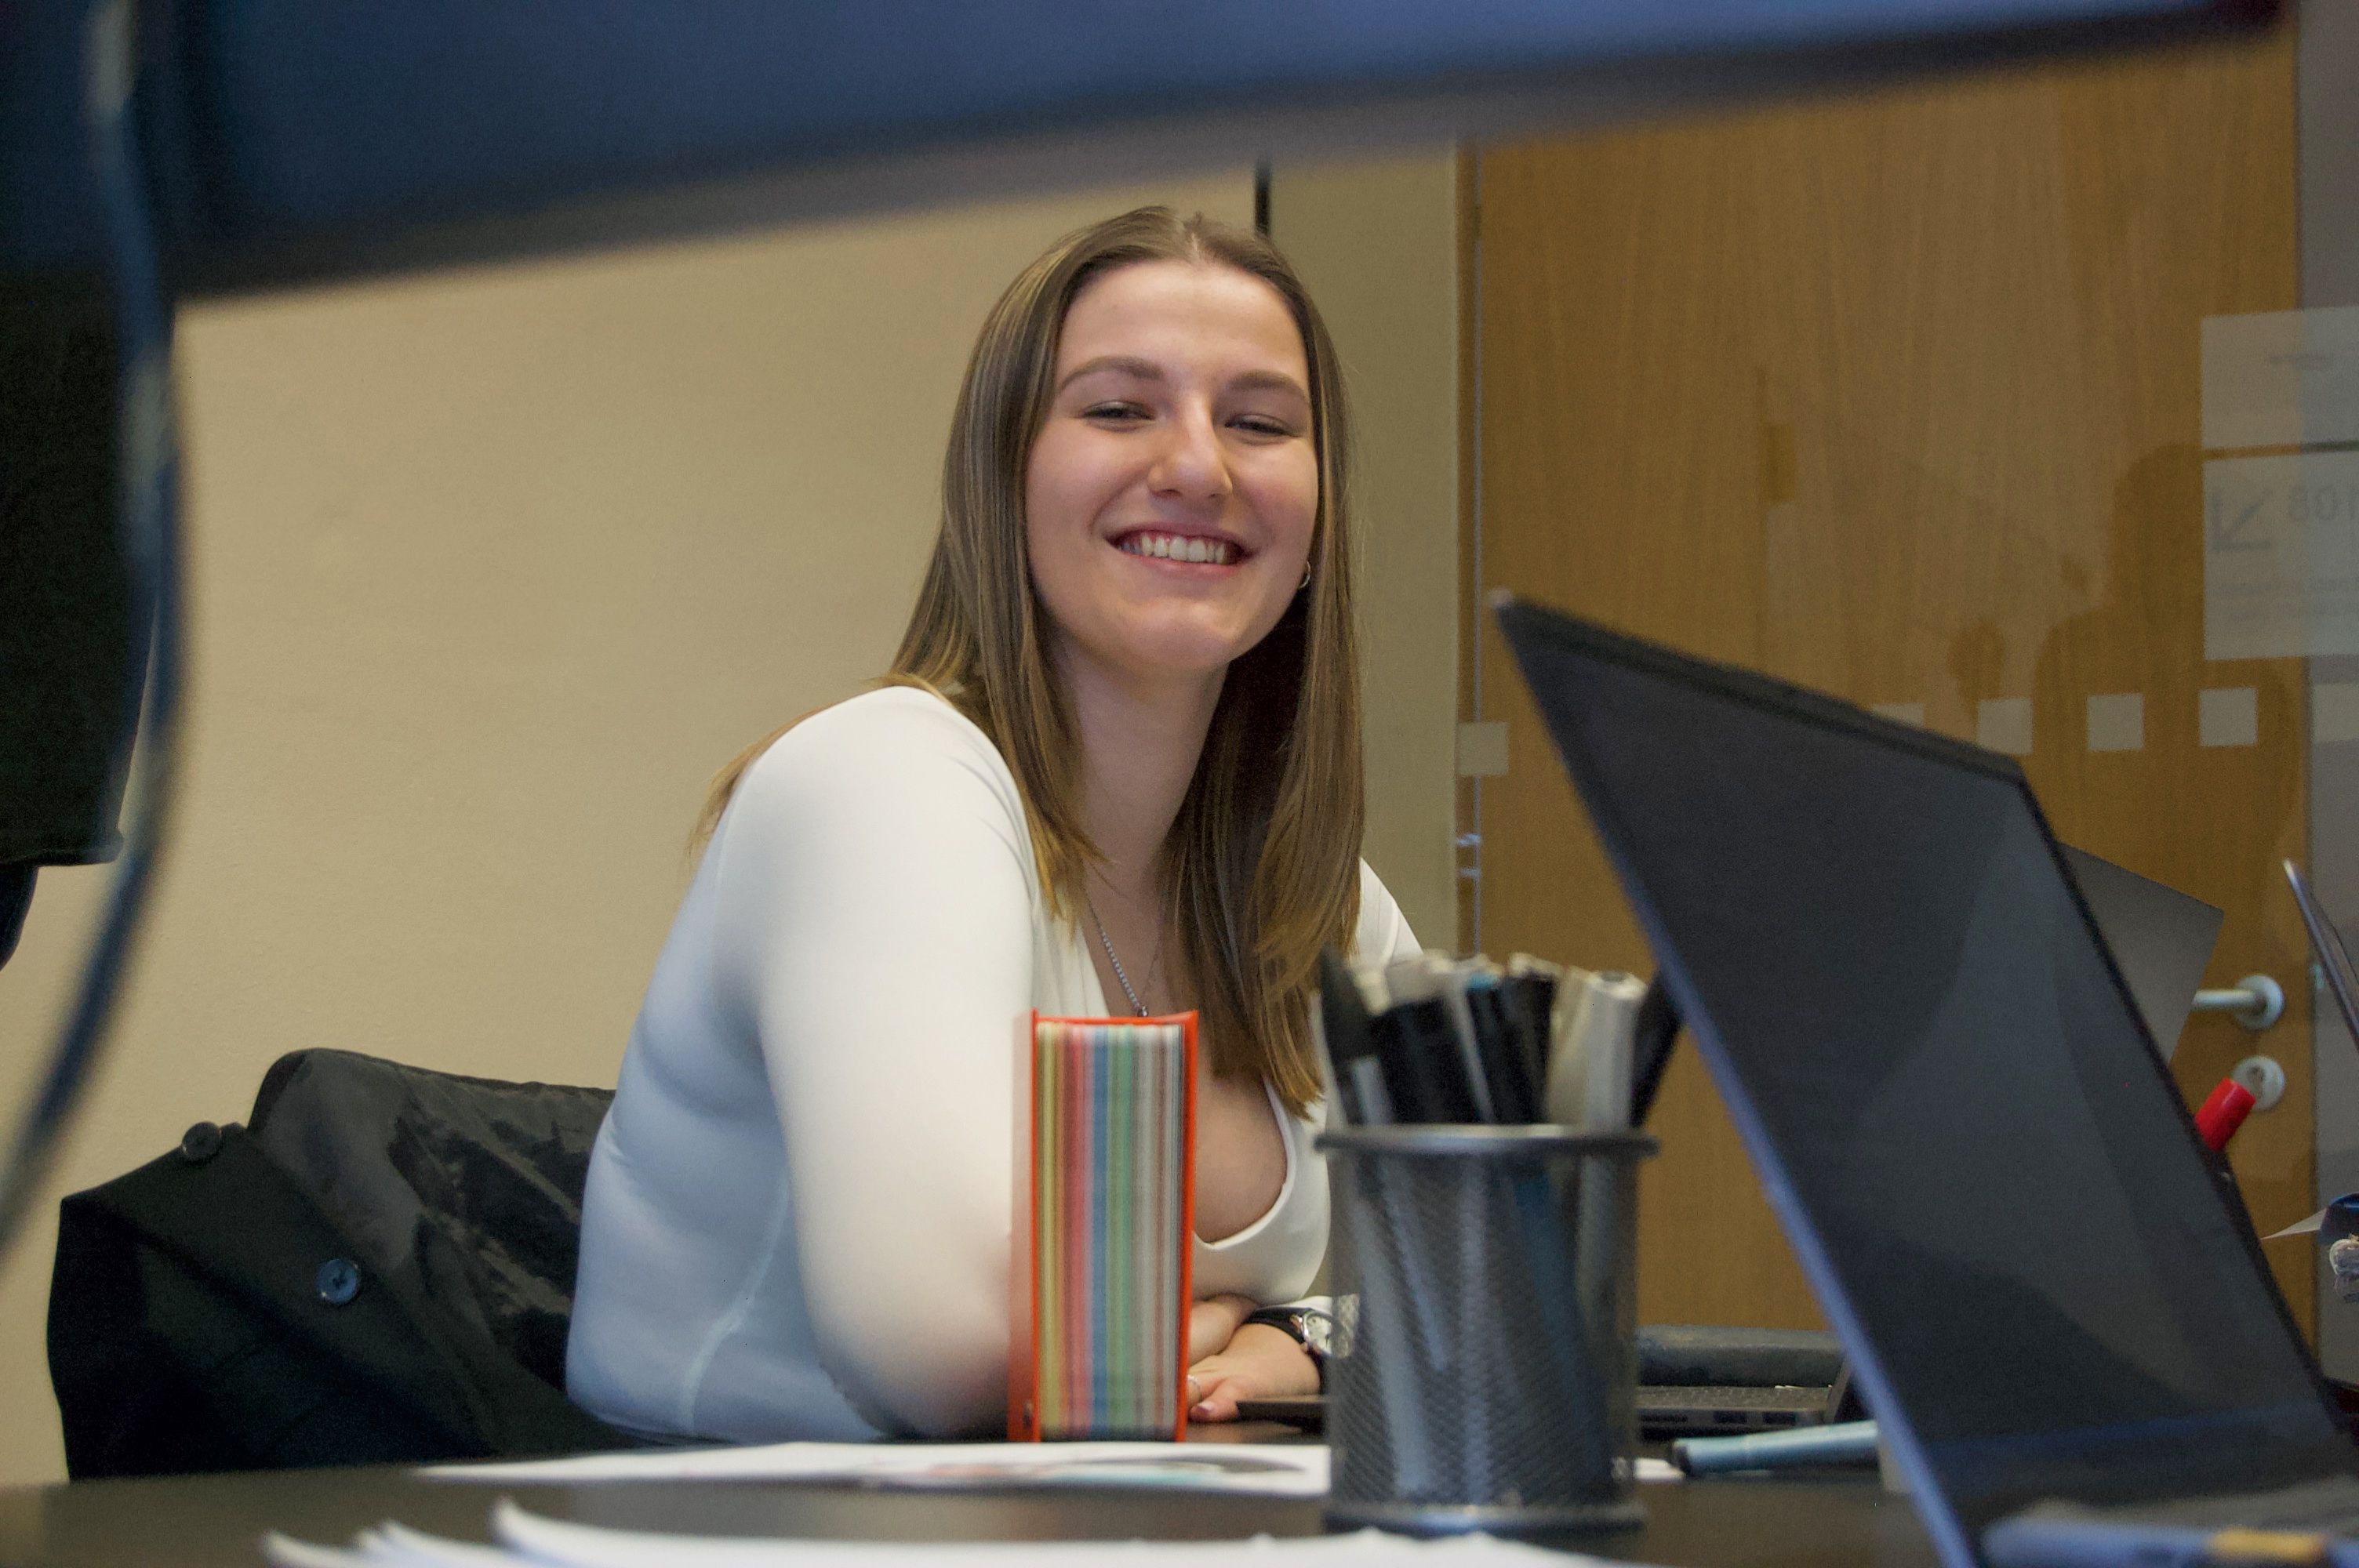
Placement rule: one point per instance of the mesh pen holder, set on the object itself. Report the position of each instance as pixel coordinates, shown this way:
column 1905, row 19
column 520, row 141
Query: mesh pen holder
column 1485, row 1365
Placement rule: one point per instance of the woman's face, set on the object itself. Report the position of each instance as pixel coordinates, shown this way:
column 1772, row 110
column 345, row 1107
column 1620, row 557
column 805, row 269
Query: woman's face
column 1172, row 490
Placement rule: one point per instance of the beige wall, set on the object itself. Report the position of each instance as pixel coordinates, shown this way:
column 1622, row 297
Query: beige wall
column 1378, row 244
column 489, row 573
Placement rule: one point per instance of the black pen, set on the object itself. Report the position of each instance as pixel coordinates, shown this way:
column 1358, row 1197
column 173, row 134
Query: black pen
column 1530, row 991
column 1432, row 1063
column 1451, row 979
column 1352, row 1062
column 1498, row 1035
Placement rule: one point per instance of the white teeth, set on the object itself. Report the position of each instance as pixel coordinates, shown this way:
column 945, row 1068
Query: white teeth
column 1173, row 548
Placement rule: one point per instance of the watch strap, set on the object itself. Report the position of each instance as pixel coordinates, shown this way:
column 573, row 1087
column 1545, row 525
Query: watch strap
column 1307, row 1326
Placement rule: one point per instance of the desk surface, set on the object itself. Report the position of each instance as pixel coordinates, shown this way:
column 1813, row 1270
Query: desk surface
column 1837, row 1521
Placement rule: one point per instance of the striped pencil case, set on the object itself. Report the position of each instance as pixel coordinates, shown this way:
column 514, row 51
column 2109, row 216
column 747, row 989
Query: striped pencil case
column 1105, row 1212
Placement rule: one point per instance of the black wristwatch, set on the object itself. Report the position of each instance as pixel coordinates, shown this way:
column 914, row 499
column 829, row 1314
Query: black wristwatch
column 1307, row 1326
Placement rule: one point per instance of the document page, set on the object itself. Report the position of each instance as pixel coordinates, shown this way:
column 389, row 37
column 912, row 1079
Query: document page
column 531, row 1539
column 1275, row 1470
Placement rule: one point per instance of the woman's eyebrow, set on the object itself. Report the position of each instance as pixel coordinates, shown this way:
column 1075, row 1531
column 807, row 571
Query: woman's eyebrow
column 1148, row 369
column 1268, row 380
column 1145, row 369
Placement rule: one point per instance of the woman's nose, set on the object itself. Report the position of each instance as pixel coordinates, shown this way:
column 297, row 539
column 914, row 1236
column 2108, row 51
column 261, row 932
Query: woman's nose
column 1191, row 464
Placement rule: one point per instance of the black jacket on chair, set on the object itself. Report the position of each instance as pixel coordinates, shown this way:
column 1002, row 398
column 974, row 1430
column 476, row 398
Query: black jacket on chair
column 378, row 1269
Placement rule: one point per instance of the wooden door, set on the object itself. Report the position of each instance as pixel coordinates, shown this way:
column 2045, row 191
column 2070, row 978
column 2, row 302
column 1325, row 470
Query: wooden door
column 1898, row 397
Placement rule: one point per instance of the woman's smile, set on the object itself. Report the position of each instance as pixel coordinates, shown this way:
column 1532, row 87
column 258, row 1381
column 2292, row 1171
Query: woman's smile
column 1181, row 548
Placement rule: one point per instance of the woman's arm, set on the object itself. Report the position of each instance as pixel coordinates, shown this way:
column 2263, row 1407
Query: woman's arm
column 875, row 925
column 1259, row 1363
column 1384, row 934
column 1211, row 1323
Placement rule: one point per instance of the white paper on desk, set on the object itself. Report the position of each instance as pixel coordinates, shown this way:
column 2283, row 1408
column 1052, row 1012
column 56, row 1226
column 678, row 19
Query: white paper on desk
column 1256, row 1469
column 531, row 1539
column 556, row 1541
column 387, row 1546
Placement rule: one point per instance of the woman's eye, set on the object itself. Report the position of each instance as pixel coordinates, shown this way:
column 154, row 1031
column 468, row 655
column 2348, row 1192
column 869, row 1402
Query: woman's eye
column 1115, row 411
column 1262, row 424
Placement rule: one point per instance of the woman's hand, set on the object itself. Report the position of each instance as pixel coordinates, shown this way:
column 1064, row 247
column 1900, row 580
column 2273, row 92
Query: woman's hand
column 1259, row 1363
column 1213, row 1323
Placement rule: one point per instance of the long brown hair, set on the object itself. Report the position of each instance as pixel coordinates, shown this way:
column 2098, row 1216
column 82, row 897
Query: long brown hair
column 1262, row 864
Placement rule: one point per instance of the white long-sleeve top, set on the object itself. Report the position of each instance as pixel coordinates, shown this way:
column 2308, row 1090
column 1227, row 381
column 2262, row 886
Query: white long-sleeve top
column 797, row 1224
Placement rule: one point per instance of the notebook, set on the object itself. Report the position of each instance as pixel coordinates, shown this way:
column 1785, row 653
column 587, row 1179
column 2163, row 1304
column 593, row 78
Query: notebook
column 2049, row 1301
column 1105, row 1212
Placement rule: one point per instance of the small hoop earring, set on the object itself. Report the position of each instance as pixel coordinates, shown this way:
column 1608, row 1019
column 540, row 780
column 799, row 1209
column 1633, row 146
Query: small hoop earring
column 1305, row 582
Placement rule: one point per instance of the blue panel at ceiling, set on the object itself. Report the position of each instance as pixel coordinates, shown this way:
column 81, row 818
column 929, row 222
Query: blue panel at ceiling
column 331, row 115
column 48, row 206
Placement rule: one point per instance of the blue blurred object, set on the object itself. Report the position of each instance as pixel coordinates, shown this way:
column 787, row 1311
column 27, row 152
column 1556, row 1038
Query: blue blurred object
column 293, row 140
column 82, row 283
column 2340, row 1219
column 1846, row 1443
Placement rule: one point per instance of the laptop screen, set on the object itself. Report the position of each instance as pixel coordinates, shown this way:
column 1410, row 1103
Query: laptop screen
column 1978, row 1155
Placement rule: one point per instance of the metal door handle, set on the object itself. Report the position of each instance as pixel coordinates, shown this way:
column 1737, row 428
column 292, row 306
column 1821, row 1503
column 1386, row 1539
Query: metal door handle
column 2255, row 1001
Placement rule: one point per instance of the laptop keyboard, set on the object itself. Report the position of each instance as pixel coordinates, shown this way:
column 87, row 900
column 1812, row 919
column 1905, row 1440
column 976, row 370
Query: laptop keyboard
column 1679, row 1411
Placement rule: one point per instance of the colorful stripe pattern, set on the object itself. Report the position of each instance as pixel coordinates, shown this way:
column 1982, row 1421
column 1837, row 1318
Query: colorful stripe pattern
column 1112, row 1128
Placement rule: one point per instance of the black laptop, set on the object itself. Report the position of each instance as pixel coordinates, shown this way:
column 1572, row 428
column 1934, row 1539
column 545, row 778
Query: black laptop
column 2052, row 1301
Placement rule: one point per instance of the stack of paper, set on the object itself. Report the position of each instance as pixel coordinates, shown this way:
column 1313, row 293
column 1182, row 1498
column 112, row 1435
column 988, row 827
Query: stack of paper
column 528, row 1539
column 1245, row 1469
column 1270, row 1470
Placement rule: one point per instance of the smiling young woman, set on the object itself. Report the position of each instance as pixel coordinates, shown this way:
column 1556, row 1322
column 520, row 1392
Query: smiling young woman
column 1268, row 840
column 1116, row 759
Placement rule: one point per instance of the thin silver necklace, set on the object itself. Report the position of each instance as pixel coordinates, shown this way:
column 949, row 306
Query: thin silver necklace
column 1107, row 943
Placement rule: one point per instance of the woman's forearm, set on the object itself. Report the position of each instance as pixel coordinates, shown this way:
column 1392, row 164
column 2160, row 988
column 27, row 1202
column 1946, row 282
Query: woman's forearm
column 1213, row 1323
